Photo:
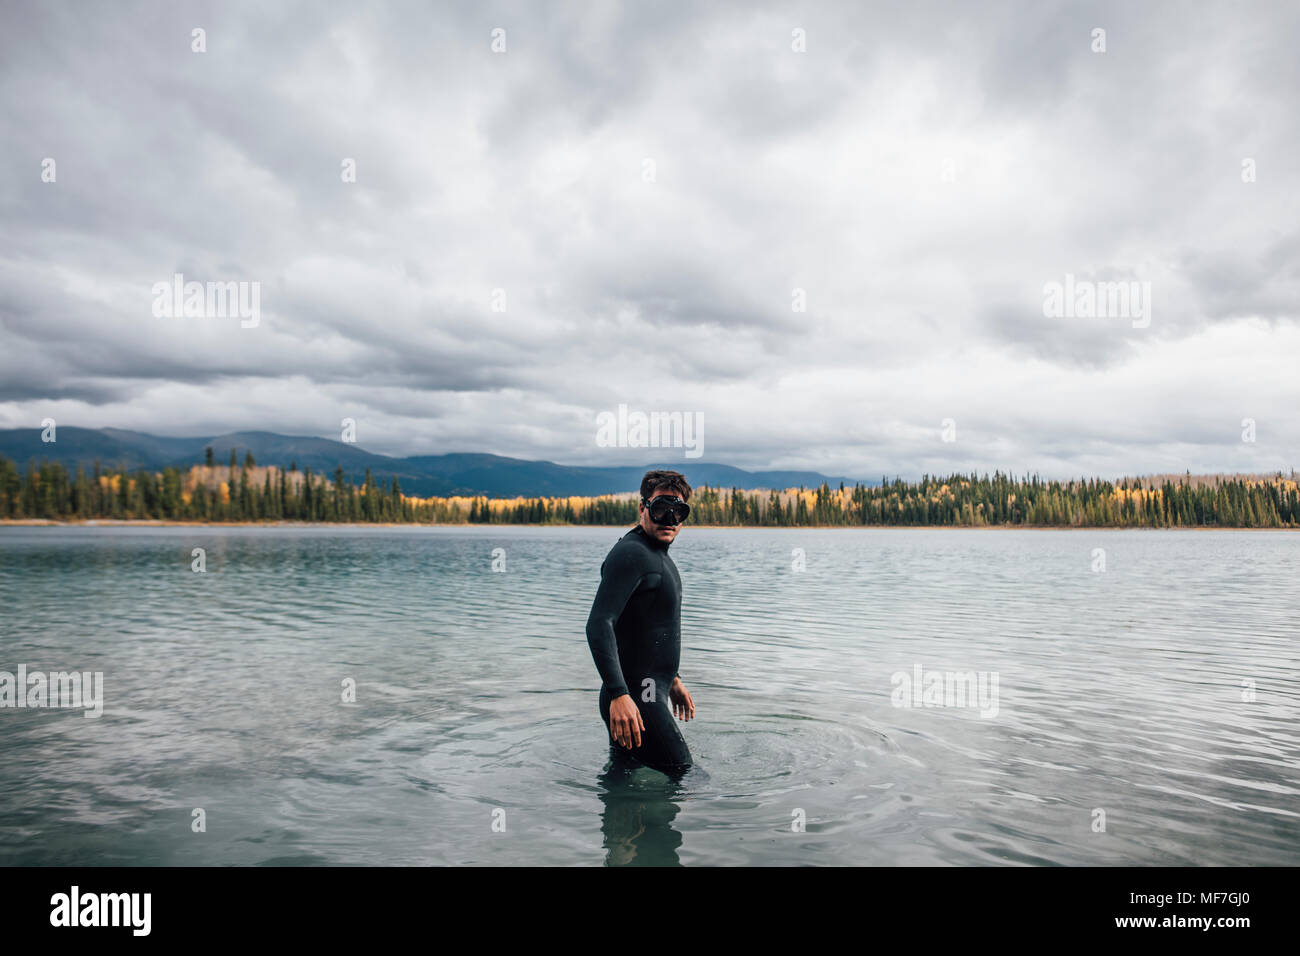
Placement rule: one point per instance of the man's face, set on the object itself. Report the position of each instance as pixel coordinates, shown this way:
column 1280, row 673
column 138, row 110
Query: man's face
column 664, row 533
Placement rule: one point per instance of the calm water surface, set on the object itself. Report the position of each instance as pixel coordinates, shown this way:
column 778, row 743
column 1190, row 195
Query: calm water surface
column 1125, row 691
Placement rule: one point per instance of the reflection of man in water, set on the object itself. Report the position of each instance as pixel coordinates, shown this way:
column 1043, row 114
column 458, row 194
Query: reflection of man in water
column 637, row 822
column 635, row 631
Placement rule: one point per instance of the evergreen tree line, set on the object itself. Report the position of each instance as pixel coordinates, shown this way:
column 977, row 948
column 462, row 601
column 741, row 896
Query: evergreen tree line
column 248, row 493
column 974, row 501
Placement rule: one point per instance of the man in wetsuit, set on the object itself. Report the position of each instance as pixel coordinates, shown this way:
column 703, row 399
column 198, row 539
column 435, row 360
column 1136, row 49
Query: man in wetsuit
column 634, row 631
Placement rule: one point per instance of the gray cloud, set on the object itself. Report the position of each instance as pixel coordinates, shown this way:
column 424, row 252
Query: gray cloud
column 919, row 174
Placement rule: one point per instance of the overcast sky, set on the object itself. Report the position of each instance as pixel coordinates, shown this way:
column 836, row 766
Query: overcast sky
column 920, row 171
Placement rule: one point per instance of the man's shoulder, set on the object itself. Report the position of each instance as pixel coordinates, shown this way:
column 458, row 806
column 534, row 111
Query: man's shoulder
column 633, row 533
column 630, row 547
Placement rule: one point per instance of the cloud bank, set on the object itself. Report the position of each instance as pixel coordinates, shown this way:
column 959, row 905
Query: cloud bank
column 825, row 228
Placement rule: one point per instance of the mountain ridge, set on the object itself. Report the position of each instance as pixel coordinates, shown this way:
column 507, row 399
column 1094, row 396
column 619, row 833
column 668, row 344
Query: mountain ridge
column 451, row 473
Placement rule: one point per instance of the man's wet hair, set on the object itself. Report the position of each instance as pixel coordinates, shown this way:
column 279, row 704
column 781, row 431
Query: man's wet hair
column 673, row 481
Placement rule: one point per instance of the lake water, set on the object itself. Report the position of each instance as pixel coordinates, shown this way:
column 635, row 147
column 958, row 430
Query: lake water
column 1142, row 714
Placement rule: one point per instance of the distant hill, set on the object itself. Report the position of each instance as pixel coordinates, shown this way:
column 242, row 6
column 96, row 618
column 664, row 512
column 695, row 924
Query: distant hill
column 458, row 473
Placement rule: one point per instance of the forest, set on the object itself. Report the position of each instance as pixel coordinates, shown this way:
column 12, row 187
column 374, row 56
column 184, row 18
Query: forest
column 248, row 492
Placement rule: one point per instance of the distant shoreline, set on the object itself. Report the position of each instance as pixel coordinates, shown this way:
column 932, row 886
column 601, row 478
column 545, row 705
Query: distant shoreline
column 159, row 523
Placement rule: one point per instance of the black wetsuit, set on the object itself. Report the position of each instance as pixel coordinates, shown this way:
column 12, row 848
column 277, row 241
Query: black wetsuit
column 635, row 635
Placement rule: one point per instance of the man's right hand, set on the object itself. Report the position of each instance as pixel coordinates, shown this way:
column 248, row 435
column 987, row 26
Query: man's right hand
column 625, row 724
